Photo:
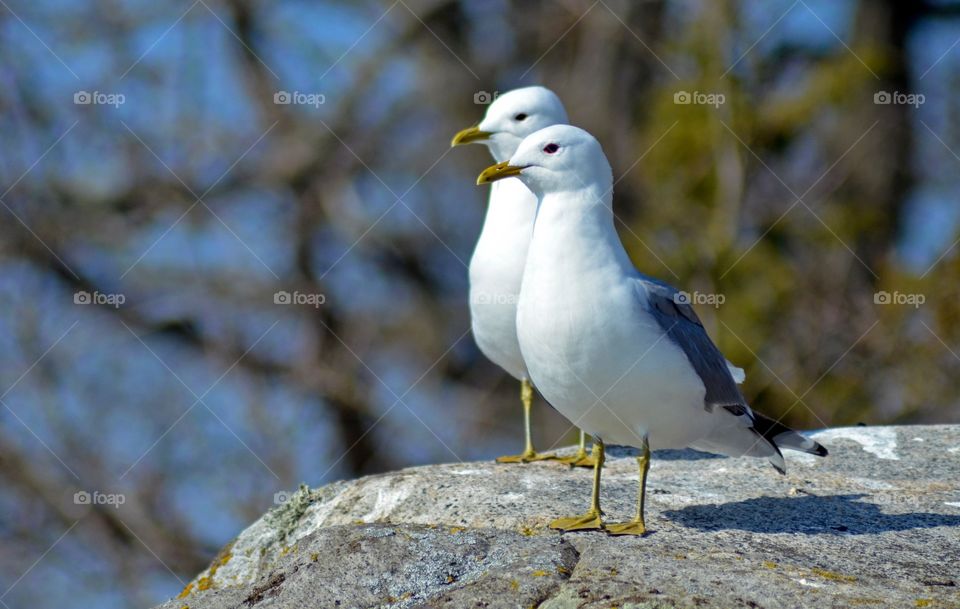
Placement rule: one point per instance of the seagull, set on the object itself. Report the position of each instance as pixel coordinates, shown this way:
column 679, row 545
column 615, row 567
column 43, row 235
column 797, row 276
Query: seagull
column 622, row 355
column 496, row 268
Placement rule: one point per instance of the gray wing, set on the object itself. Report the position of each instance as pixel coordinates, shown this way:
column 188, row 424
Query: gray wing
column 683, row 327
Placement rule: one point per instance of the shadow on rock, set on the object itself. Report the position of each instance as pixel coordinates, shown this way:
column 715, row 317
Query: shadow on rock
column 685, row 454
column 810, row 515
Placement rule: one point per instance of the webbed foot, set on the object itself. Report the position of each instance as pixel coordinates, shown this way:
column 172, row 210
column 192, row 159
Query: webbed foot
column 579, row 459
column 586, row 522
column 526, row 456
column 633, row 527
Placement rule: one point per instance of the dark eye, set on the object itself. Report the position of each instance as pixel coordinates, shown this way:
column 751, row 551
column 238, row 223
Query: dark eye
column 520, row 117
column 551, row 148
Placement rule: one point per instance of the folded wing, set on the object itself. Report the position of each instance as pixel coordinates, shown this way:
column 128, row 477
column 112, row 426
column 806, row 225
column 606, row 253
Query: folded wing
column 739, row 431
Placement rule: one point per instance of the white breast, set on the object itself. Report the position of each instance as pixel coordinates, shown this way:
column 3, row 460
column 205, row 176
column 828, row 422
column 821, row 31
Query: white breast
column 593, row 351
column 496, row 272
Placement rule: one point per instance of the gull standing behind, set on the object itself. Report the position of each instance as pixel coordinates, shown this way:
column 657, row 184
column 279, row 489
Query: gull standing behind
column 620, row 354
column 496, row 268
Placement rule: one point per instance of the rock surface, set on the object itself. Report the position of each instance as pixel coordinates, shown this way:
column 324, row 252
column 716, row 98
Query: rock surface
column 875, row 524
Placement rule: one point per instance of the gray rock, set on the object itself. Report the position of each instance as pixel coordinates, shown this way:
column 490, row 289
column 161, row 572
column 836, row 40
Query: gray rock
column 877, row 523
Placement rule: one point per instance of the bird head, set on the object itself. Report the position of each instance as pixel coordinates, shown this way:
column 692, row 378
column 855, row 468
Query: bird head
column 511, row 117
column 555, row 159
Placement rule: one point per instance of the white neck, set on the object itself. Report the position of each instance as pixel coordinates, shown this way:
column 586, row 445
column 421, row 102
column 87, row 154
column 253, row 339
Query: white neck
column 576, row 229
column 507, row 228
column 502, row 146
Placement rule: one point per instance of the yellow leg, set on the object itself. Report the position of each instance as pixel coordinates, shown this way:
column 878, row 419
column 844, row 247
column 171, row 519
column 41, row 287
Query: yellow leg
column 580, row 458
column 591, row 520
column 528, row 454
column 636, row 526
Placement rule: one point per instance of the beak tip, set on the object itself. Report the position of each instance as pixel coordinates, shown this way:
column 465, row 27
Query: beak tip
column 498, row 172
column 469, row 135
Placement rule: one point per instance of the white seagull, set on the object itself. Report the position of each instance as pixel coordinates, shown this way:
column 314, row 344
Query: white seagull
column 496, row 267
column 622, row 355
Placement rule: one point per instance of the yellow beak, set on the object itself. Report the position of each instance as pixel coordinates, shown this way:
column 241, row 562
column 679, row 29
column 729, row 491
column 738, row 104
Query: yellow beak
column 498, row 172
column 468, row 135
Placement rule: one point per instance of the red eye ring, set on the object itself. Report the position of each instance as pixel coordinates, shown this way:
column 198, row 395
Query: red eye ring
column 551, row 148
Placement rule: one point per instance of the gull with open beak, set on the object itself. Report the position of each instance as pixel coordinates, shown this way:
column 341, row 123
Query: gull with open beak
column 622, row 355
column 496, row 267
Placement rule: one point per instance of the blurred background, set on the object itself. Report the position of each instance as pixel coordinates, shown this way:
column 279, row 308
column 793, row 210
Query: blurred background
column 234, row 240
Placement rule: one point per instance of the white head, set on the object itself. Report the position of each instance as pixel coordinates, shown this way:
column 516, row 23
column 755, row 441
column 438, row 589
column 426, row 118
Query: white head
column 560, row 158
column 513, row 116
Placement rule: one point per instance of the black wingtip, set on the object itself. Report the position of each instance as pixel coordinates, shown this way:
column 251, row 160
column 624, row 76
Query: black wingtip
column 782, row 436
